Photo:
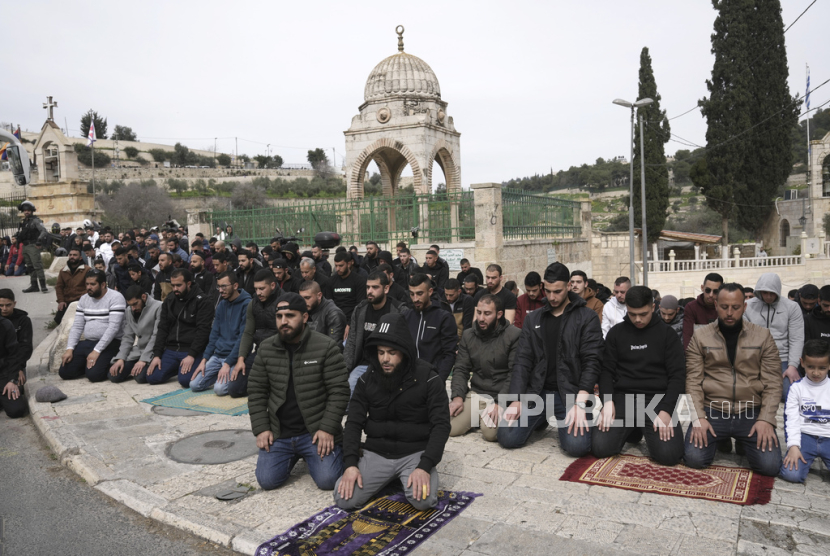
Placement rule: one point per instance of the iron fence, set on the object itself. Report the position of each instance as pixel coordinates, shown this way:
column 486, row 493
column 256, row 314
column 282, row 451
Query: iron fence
column 442, row 217
column 9, row 215
column 529, row 216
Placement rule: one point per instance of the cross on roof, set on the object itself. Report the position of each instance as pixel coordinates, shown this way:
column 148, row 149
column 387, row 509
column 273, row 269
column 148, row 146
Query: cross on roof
column 49, row 105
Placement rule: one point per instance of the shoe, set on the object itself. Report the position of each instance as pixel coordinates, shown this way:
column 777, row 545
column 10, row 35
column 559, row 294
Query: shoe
column 31, row 289
column 725, row 446
column 44, row 289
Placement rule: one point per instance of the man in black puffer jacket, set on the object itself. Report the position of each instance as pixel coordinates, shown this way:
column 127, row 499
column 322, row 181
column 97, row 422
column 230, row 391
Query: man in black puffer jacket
column 557, row 364
column 401, row 403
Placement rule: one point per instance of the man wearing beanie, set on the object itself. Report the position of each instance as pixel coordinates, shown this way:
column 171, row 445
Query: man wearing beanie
column 401, row 403
column 558, row 363
column 672, row 314
column 297, row 396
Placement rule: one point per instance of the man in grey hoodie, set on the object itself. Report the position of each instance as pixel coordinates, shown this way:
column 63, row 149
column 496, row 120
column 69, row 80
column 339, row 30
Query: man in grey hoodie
column 142, row 322
column 784, row 320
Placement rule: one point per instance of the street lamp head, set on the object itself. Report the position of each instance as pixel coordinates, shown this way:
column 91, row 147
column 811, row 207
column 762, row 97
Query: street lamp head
column 643, row 102
column 622, row 102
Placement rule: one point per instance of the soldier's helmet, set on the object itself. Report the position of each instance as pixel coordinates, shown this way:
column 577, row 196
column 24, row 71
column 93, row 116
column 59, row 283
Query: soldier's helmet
column 26, row 205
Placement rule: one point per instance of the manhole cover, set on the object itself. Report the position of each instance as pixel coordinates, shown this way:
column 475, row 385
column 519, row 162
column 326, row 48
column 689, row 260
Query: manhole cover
column 210, row 448
column 175, row 412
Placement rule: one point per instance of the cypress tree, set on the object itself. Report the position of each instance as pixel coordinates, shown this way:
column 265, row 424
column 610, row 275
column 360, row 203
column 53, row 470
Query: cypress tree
column 768, row 155
column 656, row 133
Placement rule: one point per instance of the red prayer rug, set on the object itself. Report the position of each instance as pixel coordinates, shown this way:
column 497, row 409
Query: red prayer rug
column 734, row 485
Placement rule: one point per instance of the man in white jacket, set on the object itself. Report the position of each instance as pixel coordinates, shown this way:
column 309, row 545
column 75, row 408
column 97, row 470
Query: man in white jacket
column 615, row 310
column 784, row 320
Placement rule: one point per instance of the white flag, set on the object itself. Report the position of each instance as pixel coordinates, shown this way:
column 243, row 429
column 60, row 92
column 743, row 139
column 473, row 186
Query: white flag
column 91, row 139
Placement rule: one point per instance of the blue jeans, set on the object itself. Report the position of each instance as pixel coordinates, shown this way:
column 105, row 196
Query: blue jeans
column 355, row 375
column 727, row 425
column 513, row 435
column 11, row 271
column 812, row 447
column 208, row 378
column 170, row 361
column 274, row 466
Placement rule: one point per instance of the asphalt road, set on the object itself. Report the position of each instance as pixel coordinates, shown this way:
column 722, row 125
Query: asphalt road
column 46, row 509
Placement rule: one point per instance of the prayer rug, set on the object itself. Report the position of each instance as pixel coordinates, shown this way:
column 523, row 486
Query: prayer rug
column 735, row 485
column 206, row 401
column 387, row 526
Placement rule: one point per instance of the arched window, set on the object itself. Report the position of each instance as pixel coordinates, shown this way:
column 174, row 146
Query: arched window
column 785, row 232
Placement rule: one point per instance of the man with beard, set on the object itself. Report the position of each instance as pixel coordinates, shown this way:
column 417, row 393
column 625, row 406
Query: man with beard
column 406, row 266
column 99, row 318
column 487, row 350
column 202, row 277
column 401, row 404
column 222, row 351
column 807, row 298
column 493, row 281
column 613, row 312
column 701, row 311
column 120, row 270
column 733, row 375
column 183, row 332
column 558, row 364
column 152, row 261
column 322, row 264
column 438, row 271
column 364, row 321
column 260, row 324
column 285, row 279
column 672, row 314
column 163, row 287
column 174, row 248
column 579, row 285
column 140, row 278
column 71, row 283
column 817, row 323
column 432, row 328
column 24, row 333
column 248, row 267
column 297, row 396
column 198, row 246
column 642, row 366
column 141, row 322
column 396, row 291
column 323, row 315
column 347, row 288
column 370, row 261
column 458, row 304
column 311, row 273
column 531, row 300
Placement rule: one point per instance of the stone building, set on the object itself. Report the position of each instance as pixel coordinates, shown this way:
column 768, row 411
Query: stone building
column 403, row 121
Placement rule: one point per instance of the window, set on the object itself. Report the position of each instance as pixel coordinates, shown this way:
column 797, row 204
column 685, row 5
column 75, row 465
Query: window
column 785, row 232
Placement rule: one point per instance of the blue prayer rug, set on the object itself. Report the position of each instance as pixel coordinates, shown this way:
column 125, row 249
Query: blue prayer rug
column 206, row 401
column 386, row 526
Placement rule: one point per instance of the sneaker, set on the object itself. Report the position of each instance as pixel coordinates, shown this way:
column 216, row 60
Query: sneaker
column 31, row 289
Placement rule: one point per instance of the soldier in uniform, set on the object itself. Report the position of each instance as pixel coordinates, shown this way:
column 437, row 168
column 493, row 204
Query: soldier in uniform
column 31, row 230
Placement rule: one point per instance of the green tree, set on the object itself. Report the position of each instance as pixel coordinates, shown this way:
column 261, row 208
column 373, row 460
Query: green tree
column 276, row 161
column 182, row 156
column 179, row 186
column 122, row 133
column 768, row 157
column 318, row 159
column 656, row 133
column 159, row 155
column 85, row 156
column 819, row 127
column 262, row 160
column 131, row 152
column 223, row 159
column 100, row 125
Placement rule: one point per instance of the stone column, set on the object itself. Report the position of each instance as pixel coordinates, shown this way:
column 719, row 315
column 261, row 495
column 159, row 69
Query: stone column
column 489, row 223
column 803, row 239
column 672, row 255
column 585, row 213
column 199, row 221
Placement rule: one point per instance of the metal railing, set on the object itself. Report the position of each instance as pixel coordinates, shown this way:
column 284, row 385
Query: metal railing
column 442, row 217
column 720, row 264
column 529, row 216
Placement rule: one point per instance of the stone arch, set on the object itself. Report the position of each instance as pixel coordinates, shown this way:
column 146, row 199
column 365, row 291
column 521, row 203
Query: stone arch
column 442, row 153
column 391, row 156
column 784, row 232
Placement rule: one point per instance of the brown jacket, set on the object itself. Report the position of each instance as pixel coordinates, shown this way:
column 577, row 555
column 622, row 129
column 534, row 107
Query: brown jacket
column 754, row 383
column 595, row 305
column 71, row 286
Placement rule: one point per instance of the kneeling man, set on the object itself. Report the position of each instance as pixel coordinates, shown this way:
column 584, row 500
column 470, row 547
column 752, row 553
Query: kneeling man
column 733, row 374
column 401, row 403
column 297, row 396
column 643, row 374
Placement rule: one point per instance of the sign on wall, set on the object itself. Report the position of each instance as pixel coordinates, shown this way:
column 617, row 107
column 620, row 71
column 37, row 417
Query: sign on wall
column 552, row 255
column 453, row 257
column 813, row 247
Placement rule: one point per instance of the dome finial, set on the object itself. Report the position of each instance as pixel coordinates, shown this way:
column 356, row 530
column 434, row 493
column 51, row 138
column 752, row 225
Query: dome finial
column 399, row 30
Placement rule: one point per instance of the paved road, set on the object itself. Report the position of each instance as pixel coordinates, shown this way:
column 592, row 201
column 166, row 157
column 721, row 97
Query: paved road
column 46, row 509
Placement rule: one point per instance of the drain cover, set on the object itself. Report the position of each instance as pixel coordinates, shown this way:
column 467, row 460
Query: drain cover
column 175, row 411
column 210, row 448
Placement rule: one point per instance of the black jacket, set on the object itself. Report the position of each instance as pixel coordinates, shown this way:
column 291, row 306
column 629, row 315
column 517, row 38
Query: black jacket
column 353, row 352
column 23, row 326
column 399, row 293
column 184, row 324
column 9, row 350
column 440, row 273
column 145, row 282
column 162, row 277
column 816, row 325
column 246, row 279
column 473, row 270
column 328, row 319
column 408, row 420
column 206, row 280
column 578, row 355
column 646, row 361
column 436, row 337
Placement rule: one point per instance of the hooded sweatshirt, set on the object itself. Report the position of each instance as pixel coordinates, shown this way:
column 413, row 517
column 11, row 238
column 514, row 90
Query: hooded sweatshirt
column 817, row 325
column 404, row 421
column 782, row 318
column 228, row 326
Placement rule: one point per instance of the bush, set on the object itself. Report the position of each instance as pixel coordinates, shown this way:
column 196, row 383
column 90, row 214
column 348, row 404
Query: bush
column 131, row 152
column 223, row 159
column 137, row 205
column 85, row 156
column 179, row 186
column 159, row 155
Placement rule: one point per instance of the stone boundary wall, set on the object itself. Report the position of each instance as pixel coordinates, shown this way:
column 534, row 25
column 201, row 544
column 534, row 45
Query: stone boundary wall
column 522, row 256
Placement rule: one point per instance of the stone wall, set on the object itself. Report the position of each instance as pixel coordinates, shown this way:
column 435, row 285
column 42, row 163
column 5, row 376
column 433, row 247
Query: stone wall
column 522, row 256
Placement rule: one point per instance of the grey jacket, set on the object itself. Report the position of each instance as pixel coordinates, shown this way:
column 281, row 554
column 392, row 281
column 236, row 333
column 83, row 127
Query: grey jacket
column 144, row 330
column 783, row 318
column 489, row 360
column 330, row 320
column 353, row 354
column 677, row 323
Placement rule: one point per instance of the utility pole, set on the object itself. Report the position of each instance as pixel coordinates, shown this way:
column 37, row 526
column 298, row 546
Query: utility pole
column 236, row 149
column 643, row 200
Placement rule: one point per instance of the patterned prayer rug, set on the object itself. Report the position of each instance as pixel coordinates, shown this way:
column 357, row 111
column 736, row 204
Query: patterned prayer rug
column 735, row 485
column 387, row 526
column 206, row 401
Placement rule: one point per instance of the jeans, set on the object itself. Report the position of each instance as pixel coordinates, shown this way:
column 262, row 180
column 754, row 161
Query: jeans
column 12, row 271
column 208, row 378
column 170, row 361
column 355, row 375
column 239, row 388
column 610, row 443
column 76, row 367
column 126, row 372
column 735, row 426
column 274, row 466
column 812, row 447
column 511, row 435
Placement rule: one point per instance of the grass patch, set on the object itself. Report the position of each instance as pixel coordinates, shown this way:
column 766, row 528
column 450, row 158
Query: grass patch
column 52, row 281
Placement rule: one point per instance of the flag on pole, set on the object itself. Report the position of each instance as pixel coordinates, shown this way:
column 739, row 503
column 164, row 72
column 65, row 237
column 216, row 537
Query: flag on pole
column 17, row 133
column 808, row 88
column 91, row 139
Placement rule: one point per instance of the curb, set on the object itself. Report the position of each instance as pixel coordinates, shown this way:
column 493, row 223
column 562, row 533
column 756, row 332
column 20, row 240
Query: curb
column 69, row 452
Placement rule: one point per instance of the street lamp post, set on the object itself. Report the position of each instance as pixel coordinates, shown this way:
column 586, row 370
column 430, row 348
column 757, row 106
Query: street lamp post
column 633, row 276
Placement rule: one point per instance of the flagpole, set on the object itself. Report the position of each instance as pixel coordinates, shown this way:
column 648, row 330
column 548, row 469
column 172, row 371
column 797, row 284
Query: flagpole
column 809, row 176
column 93, row 175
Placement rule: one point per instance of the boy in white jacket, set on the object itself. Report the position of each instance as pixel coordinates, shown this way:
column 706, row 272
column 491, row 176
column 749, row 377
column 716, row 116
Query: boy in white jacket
column 807, row 414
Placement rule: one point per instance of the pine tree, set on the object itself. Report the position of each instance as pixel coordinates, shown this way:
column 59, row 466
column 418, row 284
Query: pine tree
column 656, row 133
column 768, row 157
column 100, row 125
column 727, row 109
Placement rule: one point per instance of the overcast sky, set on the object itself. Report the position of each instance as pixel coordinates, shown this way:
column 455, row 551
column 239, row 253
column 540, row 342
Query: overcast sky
column 529, row 84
